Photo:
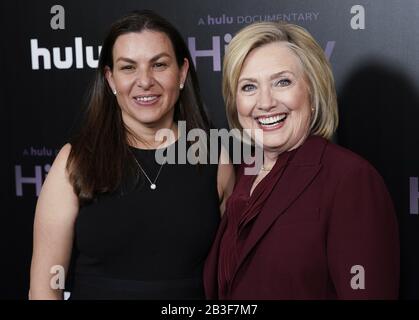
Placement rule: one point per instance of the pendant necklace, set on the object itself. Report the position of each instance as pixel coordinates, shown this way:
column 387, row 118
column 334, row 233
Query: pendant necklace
column 153, row 185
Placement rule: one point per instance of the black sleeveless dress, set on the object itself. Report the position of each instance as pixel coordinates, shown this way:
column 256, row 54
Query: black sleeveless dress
column 144, row 243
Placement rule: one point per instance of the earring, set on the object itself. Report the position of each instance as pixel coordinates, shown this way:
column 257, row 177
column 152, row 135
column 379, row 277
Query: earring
column 114, row 91
column 312, row 109
column 181, row 86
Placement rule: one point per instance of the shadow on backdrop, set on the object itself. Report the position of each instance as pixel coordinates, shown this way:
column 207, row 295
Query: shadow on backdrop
column 378, row 113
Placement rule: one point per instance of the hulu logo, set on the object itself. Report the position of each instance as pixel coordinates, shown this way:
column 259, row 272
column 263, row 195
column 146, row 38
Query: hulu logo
column 78, row 55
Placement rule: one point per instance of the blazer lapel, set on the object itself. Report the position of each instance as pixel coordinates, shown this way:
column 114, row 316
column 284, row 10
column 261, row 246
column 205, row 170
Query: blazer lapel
column 301, row 170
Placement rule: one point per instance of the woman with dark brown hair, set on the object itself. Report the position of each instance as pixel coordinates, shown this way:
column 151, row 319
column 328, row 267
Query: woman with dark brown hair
column 141, row 229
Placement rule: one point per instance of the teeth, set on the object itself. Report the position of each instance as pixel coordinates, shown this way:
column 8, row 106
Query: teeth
column 272, row 120
column 145, row 98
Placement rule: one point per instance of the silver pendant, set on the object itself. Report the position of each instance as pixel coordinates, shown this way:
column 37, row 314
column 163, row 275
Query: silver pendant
column 153, row 186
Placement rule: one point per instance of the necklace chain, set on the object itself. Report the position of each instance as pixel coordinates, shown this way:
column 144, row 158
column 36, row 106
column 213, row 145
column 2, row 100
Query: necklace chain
column 153, row 185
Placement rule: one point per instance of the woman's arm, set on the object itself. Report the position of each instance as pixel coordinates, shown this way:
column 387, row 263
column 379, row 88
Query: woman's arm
column 225, row 179
column 363, row 242
column 55, row 215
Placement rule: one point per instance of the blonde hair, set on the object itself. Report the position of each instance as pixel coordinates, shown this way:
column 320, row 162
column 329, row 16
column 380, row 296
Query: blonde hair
column 316, row 68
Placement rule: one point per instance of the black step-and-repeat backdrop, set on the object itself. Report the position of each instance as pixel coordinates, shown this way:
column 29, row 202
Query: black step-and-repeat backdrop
column 49, row 51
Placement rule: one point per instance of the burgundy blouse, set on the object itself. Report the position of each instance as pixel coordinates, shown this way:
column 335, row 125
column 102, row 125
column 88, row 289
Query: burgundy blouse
column 241, row 210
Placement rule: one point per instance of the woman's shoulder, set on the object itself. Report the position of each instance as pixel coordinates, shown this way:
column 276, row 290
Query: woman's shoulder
column 345, row 160
column 65, row 150
column 62, row 156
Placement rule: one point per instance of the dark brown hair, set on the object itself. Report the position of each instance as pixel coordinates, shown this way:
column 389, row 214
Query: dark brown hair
column 100, row 152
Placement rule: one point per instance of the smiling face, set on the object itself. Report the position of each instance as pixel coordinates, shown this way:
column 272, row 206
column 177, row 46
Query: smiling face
column 272, row 95
column 147, row 78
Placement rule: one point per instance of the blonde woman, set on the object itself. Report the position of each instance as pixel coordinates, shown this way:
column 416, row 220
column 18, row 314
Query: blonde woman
column 316, row 222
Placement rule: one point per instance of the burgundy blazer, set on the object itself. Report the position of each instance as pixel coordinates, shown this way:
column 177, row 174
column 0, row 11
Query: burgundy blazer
column 329, row 212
